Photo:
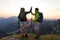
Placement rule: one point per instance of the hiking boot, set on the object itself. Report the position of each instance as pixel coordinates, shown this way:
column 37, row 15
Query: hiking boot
column 26, row 35
column 22, row 36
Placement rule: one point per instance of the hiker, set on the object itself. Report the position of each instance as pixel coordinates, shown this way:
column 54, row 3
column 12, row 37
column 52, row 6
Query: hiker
column 23, row 20
column 37, row 21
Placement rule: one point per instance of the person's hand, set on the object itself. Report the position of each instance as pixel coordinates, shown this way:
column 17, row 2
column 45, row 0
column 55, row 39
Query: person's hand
column 31, row 9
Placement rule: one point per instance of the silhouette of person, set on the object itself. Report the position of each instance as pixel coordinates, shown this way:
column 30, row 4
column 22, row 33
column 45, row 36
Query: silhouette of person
column 23, row 20
column 22, row 15
column 37, row 21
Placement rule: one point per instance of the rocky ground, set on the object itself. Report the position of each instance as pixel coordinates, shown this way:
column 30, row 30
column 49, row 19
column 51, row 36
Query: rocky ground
column 31, row 37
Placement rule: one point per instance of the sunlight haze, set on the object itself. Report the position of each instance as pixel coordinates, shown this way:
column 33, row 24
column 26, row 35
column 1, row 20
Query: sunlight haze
column 49, row 8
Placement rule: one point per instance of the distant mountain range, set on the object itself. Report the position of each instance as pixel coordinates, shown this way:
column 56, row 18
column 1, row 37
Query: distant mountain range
column 4, row 22
column 11, row 24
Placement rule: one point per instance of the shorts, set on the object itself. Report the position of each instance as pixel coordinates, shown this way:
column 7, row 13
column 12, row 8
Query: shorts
column 24, row 26
column 36, row 26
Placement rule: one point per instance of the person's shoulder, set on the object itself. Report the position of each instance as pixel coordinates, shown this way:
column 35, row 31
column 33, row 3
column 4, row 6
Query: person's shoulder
column 40, row 13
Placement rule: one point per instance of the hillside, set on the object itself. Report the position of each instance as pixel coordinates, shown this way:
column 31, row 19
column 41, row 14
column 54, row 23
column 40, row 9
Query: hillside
column 31, row 37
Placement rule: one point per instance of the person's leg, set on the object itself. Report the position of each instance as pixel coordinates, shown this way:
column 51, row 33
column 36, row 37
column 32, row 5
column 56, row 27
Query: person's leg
column 26, row 35
column 37, row 31
column 22, row 33
column 26, row 26
column 21, row 28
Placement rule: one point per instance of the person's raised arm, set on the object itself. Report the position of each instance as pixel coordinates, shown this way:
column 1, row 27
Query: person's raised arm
column 32, row 12
column 29, row 11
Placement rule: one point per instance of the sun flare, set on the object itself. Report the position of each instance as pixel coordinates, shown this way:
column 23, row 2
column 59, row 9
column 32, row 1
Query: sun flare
column 30, row 16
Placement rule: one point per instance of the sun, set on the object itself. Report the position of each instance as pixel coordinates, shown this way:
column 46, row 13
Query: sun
column 30, row 16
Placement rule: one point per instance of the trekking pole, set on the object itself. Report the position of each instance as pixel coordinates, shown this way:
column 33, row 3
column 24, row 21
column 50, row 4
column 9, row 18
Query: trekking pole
column 31, row 26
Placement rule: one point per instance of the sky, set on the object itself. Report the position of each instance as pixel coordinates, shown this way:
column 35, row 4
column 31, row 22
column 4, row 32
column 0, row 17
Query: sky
column 49, row 8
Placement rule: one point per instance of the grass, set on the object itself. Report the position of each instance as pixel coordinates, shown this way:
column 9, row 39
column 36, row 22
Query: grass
column 31, row 37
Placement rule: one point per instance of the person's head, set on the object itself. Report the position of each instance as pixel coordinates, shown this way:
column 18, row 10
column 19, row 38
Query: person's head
column 22, row 10
column 36, row 10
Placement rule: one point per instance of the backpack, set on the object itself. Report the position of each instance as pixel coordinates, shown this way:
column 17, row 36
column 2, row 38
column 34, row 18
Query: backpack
column 40, row 18
column 21, row 15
